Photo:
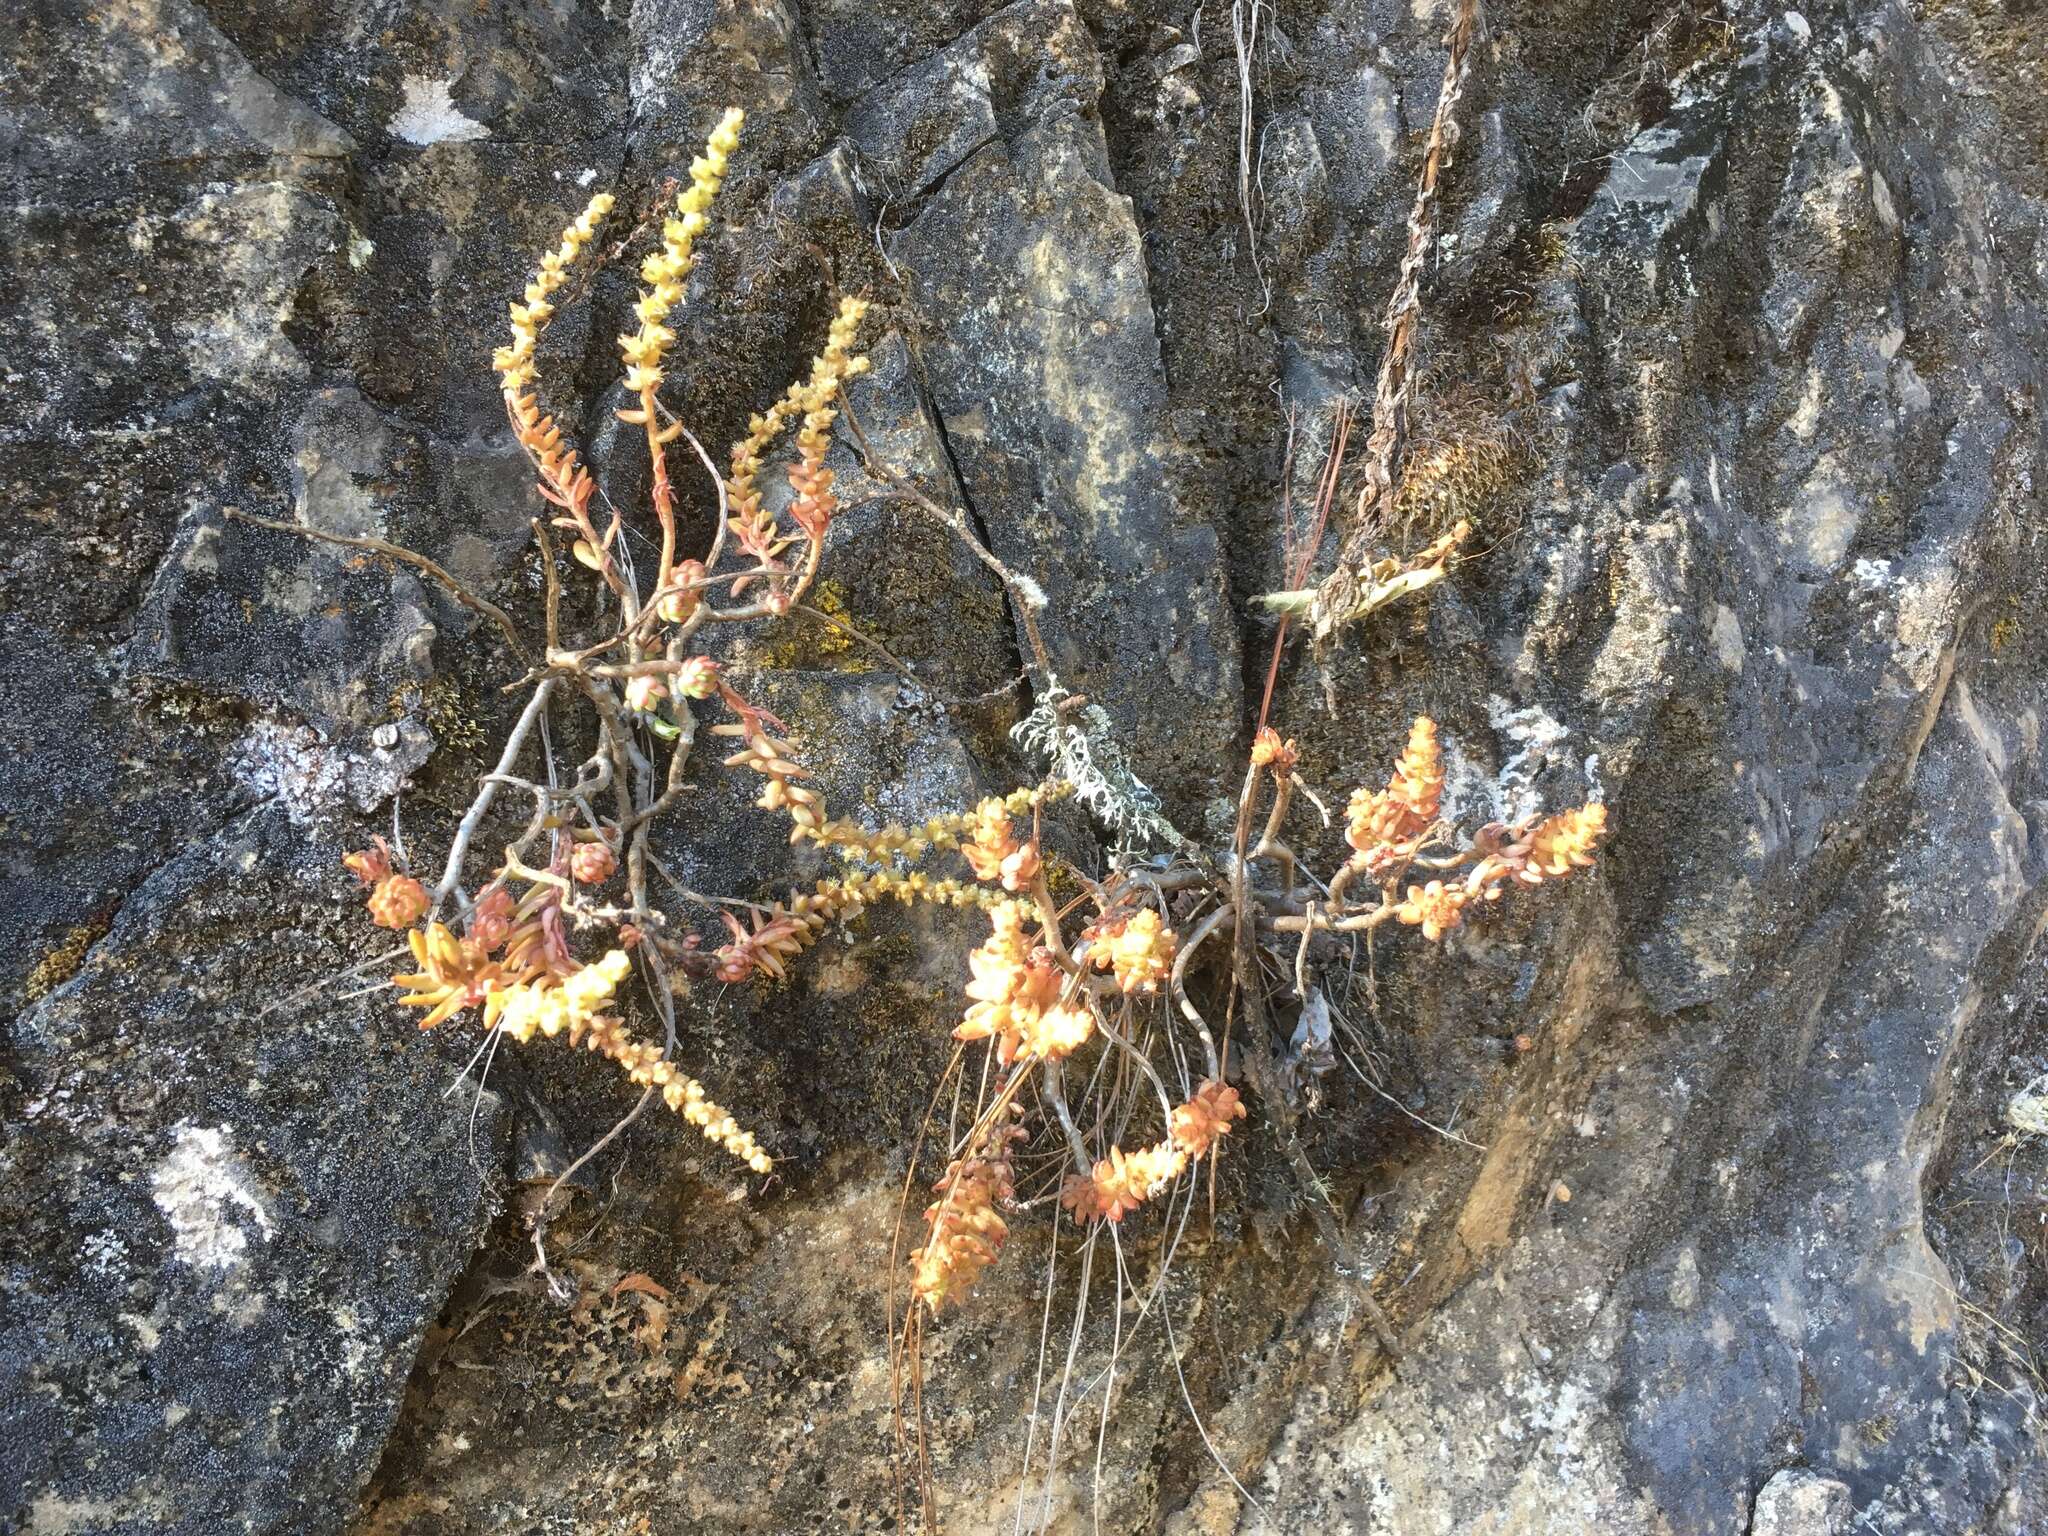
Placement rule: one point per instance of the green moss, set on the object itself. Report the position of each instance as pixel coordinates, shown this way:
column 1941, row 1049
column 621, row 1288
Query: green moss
column 889, row 950
column 444, row 708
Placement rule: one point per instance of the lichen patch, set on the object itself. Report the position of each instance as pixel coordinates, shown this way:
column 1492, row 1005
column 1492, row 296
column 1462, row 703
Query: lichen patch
column 204, row 1191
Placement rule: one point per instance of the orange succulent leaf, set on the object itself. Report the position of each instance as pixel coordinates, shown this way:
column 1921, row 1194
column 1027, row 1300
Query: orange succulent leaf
column 1018, row 995
column 453, row 974
column 646, row 1285
column 397, row 901
column 967, row 1230
column 372, row 864
column 1122, row 1181
column 1399, row 815
column 1206, row 1118
column 1564, row 842
column 1139, row 949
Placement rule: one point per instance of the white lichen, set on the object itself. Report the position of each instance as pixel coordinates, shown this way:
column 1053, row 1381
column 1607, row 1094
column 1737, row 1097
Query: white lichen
column 1032, row 593
column 2027, row 1110
column 104, row 1254
column 295, row 766
column 428, row 115
column 1538, row 742
column 1080, row 746
column 204, row 1191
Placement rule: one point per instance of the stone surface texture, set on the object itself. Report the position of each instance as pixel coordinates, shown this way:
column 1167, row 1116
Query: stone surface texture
column 1706, row 1195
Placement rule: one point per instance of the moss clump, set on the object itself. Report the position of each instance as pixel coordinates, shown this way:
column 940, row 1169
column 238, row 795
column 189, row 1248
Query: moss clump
column 1456, row 476
column 1062, row 878
column 443, row 708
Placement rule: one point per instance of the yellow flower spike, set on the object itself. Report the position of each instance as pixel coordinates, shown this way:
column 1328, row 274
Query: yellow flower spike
column 666, row 270
column 571, row 1005
column 1139, row 949
column 528, row 319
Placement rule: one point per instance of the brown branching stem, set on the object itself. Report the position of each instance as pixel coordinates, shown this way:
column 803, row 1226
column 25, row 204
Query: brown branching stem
column 1179, row 983
column 385, row 549
column 953, row 519
column 458, row 851
column 552, row 583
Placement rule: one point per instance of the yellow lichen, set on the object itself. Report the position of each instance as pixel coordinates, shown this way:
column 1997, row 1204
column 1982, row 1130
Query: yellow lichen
column 808, row 641
column 443, row 708
column 63, row 962
column 2007, row 628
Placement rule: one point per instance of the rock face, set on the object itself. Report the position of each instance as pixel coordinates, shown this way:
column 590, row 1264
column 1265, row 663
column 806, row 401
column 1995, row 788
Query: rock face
column 1698, row 1196
column 1801, row 1503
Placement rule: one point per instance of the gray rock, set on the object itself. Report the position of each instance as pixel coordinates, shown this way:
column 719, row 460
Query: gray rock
column 1756, row 297
column 1494, row 209
column 913, row 131
column 1801, row 1503
column 230, row 1224
column 1049, row 391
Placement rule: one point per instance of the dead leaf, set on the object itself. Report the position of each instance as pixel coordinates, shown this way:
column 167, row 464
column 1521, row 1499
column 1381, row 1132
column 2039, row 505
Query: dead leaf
column 647, row 1285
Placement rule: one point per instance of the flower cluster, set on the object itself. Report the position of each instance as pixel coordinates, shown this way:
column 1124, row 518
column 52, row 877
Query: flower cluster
column 1137, row 948
column 514, row 363
column 864, row 887
column 942, row 832
column 564, row 481
column 967, row 1229
column 1384, row 826
column 1122, row 1181
column 548, row 1007
column 1529, row 854
column 646, row 1066
column 994, row 851
column 1021, row 998
column 814, row 503
column 576, row 1007
column 396, row 900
